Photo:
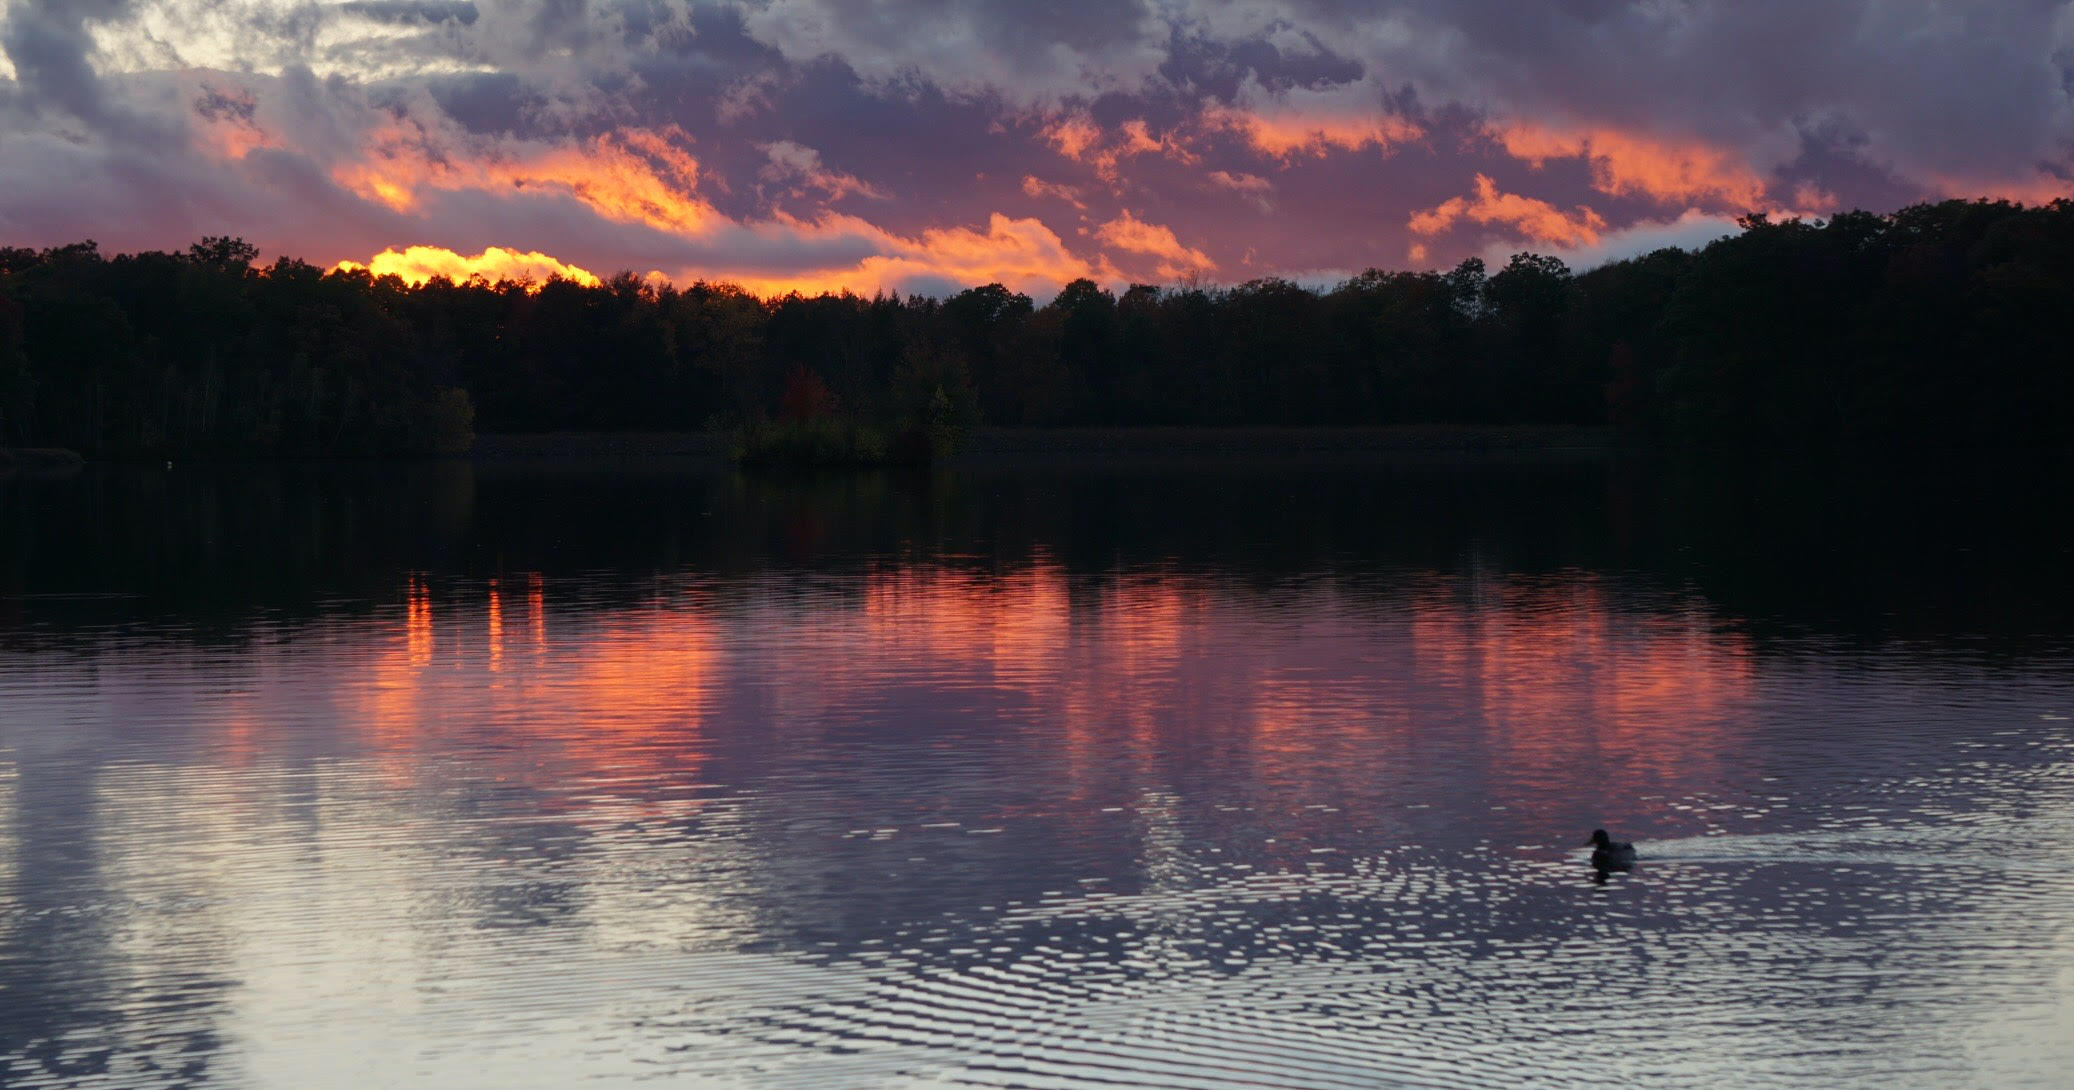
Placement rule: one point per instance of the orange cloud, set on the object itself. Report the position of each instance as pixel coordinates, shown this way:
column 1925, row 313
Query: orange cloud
column 633, row 176
column 648, row 178
column 418, row 264
column 1534, row 219
column 236, row 141
column 233, row 137
column 1138, row 140
column 1082, row 140
column 1072, row 136
column 1629, row 164
column 1127, row 232
column 2039, row 188
column 1283, row 130
column 1023, row 254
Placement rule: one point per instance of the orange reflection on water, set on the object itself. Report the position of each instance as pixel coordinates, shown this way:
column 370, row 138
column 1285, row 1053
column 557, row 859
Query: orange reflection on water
column 494, row 623
column 1540, row 690
column 625, row 695
column 1017, row 626
column 417, row 623
column 1132, row 679
column 1563, row 686
column 1579, row 697
column 536, row 607
column 631, row 677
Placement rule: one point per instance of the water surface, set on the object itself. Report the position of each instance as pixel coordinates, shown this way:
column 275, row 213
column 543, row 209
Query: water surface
column 1048, row 776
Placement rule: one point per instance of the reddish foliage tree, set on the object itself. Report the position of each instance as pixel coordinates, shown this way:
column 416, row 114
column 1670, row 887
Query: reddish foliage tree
column 806, row 397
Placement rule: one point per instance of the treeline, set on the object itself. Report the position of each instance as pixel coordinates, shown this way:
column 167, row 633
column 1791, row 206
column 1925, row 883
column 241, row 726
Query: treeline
column 160, row 353
column 1943, row 325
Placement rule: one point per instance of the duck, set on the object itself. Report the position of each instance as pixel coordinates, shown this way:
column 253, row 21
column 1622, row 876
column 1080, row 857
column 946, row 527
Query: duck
column 1609, row 854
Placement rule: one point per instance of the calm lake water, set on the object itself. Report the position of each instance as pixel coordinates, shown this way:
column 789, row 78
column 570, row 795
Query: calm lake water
column 1043, row 775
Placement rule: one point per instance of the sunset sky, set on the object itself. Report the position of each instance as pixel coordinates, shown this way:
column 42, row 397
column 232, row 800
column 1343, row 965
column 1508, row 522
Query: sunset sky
column 929, row 145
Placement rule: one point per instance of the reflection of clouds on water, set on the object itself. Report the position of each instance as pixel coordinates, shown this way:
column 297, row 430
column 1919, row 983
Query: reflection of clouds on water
column 923, row 824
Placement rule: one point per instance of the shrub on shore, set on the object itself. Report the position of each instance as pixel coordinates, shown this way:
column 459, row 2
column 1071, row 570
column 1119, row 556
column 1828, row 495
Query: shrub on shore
column 39, row 459
column 821, row 442
column 837, row 442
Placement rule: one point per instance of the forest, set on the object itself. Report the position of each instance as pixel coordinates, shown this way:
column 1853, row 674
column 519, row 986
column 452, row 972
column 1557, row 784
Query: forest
column 1940, row 326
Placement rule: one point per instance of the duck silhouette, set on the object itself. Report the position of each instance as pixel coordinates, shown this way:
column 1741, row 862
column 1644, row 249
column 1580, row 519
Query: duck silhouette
column 1609, row 854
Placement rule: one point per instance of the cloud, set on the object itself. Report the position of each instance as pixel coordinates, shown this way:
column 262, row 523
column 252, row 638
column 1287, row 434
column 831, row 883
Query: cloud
column 1301, row 121
column 1033, row 55
column 632, row 176
column 1034, row 186
column 410, row 12
column 1175, row 261
column 1526, row 217
column 1240, row 182
column 1692, row 230
column 716, row 137
column 1631, row 164
column 1080, row 139
column 1252, row 186
column 800, row 167
column 50, row 45
column 1023, row 254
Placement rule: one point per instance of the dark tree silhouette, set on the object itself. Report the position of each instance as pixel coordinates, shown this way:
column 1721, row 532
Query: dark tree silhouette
column 1940, row 326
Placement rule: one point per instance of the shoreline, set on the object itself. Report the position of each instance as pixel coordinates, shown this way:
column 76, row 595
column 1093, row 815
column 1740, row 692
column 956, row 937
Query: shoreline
column 39, row 461
column 1402, row 439
column 985, row 444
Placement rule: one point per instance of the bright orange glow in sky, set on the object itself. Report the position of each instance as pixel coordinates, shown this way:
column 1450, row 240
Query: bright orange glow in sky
column 1022, row 253
column 418, row 264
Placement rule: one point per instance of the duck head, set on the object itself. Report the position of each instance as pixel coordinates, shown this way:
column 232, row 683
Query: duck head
column 1599, row 839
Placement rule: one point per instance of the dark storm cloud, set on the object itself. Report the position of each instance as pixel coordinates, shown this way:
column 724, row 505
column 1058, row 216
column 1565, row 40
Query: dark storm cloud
column 215, row 104
column 1219, row 68
column 48, row 43
column 486, row 102
column 1832, row 160
column 1957, row 84
column 1028, row 36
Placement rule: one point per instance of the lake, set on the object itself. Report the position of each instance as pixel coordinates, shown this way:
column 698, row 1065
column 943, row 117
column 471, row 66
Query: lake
column 1045, row 774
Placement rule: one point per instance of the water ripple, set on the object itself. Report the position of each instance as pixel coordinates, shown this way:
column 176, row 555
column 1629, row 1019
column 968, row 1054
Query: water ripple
column 929, row 826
